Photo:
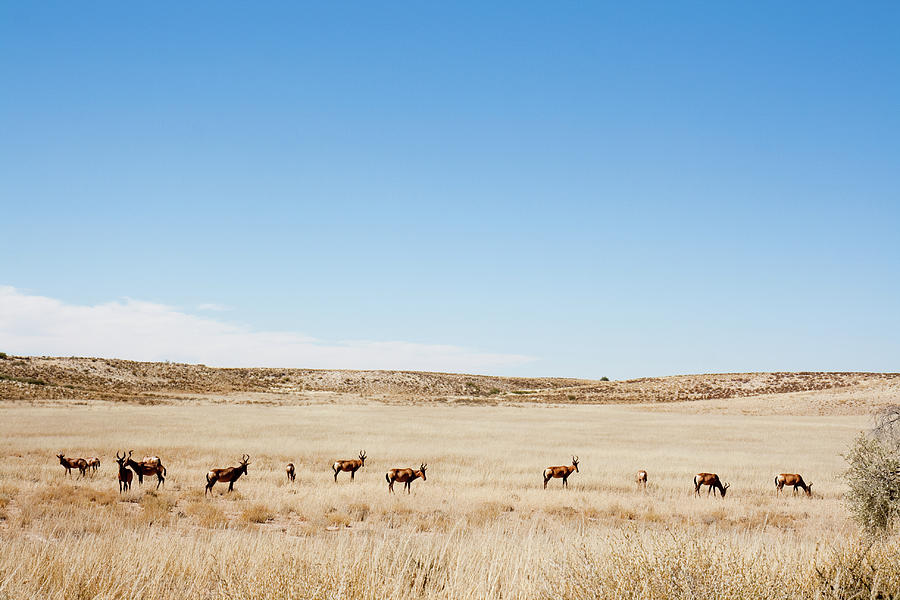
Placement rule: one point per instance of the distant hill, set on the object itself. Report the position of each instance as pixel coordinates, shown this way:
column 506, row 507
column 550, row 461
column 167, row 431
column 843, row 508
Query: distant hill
column 57, row 378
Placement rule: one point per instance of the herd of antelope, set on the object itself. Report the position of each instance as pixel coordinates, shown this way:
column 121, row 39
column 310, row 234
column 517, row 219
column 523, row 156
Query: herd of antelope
column 152, row 465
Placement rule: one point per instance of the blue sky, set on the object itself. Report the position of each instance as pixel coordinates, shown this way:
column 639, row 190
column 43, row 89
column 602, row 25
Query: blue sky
column 534, row 189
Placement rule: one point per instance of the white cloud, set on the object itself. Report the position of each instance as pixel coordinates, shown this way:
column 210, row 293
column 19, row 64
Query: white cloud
column 132, row 329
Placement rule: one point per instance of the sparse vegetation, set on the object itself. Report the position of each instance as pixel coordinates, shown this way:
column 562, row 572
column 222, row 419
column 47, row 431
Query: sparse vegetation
column 481, row 526
column 28, row 380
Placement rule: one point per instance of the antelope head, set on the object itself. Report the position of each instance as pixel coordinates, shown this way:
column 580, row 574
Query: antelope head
column 809, row 489
column 120, row 459
column 575, row 463
column 245, row 460
column 362, row 457
column 61, row 457
column 725, row 489
column 422, row 470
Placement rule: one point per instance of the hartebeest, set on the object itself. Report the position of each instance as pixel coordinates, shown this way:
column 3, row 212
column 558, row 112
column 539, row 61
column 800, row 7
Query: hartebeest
column 72, row 463
column 641, row 479
column 125, row 474
column 405, row 476
column 349, row 465
column 794, row 480
column 561, row 472
column 94, row 464
column 712, row 480
column 151, row 467
column 230, row 474
column 291, row 475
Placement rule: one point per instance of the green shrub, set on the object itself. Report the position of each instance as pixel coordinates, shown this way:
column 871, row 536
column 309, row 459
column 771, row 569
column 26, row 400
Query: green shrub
column 604, row 379
column 874, row 481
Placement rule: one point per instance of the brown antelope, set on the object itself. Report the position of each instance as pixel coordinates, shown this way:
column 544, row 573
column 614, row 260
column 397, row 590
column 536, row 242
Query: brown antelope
column 94, row 464
column 290, row 472
column 641, row 479
column 712, row 480
column 794, row 480
column 405, row 476
column 125, row 474
column 230, row 474
column 73, row 463
column 349, row 465
column 561, row 472
column 147, row 468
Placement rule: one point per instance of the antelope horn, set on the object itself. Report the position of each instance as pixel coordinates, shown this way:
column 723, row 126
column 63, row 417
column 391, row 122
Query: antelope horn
column 245, row 458
column 129, row 453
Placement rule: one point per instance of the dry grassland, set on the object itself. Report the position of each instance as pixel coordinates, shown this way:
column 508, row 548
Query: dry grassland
column 479, row 527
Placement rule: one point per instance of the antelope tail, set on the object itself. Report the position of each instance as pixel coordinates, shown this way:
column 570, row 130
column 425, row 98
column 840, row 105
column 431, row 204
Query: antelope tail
column 776, row 481
column 387, row 477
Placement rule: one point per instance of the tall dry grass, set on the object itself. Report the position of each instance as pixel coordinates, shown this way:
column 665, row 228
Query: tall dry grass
column 479, row 527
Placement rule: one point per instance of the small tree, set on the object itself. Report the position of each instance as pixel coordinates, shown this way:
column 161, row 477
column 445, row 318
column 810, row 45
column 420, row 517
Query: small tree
column 874, row 480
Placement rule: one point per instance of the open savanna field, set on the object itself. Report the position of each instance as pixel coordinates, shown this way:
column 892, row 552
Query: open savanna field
column 481, row 526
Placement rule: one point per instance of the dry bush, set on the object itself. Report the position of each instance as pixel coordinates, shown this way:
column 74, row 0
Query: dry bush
column 874, row 481
column 257, row 513
column 206, row 514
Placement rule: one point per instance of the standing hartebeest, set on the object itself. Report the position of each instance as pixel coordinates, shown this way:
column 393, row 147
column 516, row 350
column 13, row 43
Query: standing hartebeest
column 147, row 467
column 405, row 476
column 712, row 480
column 641, row 479
column 563, row 472
column 794, row 480
column 72, row 463
column 291, row 475
column 349, row 465
column 230, row 474
column 94, row 464
column 125, row 474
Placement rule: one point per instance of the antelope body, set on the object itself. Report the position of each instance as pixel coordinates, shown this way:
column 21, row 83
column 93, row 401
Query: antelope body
column 73, row 463
column 561, row 472
column 349, row 465
column 641, row 479
column 712, row 480
column 794, row 480
column 405, row 476
column 229, row 475
column 291, row 475
column 147, row 468
column 125, row 474
column 94, row 464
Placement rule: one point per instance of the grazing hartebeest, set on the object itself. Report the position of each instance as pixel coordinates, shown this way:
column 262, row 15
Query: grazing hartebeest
column 230, row 474
column 147, row 468
column 125, row 474
column 792, row 479
column 712, row 480
column 72, row 463
column 564, row 472
column 405, row 476
column 349, row 465
column 641, row 479
column 290, row 472
column 94, row 464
